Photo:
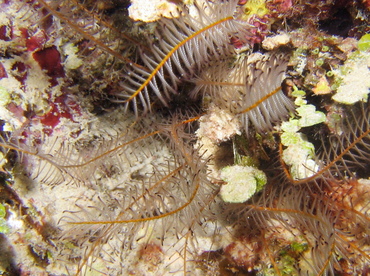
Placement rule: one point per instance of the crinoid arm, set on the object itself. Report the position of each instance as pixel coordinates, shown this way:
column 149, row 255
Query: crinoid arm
column 57, row 161
column 249, row 87
column 165, row 205
column 184, row 45
column 325, row 226
column 96, row 30
column 265, row 103
column 44, row 165
column 345, row 155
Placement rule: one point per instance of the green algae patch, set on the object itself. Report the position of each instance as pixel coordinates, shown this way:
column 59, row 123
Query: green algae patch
column 364, row 43
column 4, row 228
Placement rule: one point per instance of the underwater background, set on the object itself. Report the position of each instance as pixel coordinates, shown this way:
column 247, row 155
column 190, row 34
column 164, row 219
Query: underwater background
column 184, row 137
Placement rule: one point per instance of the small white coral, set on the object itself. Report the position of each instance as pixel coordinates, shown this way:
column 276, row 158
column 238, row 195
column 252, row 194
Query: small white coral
column 152, row 10
column 355, row 79
column 298, row 157
column 273, row 42
column 218, row 125
column 72, row 61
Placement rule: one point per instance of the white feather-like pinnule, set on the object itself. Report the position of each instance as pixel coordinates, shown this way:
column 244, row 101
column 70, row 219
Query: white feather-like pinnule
column 248, row 87
column 183, row 47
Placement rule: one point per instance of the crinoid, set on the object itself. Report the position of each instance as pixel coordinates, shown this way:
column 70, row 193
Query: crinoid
column 172, row 200
column 122, row 193
column 293, row 230
column 250, row 88
column 182, row 47
column 185, row 46
column 345, row 154
column 311, row 226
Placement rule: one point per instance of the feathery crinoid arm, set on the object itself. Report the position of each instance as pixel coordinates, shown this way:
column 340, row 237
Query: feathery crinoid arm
column 249, row 87
column 183, row 46
column 166, row 204
column 344, row 155
column 263, row 102
column 348, row 154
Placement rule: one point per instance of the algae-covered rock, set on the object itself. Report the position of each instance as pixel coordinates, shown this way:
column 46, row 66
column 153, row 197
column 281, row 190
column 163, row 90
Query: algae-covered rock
column 242, row 183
